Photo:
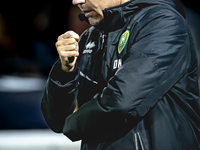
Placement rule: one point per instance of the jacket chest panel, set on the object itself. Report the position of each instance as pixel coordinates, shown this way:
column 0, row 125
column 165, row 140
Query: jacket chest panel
column 100, row 57
column 100, row 61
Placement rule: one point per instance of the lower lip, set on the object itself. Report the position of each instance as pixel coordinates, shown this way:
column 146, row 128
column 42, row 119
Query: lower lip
column 88, row 14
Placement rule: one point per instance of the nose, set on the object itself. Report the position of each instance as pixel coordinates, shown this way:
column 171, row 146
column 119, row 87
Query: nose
column 76, row 2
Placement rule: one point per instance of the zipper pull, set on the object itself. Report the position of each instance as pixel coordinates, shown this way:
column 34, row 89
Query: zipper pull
column 103, row 41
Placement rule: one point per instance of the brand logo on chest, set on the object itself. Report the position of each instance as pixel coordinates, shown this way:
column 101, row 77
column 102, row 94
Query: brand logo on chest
column 89, row 47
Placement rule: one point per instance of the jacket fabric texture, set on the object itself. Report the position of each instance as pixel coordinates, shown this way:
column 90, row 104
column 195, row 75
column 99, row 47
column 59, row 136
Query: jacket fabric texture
column 135, row 81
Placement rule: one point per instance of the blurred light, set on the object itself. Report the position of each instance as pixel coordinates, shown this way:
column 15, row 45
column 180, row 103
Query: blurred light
column 35, row 140
column 21, row 84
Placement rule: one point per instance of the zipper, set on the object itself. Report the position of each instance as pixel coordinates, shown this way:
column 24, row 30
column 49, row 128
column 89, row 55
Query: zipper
column 103, row 40
column 138, row 141
column 103, row 47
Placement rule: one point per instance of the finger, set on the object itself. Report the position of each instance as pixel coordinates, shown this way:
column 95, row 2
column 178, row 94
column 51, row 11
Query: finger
column 66, row 54
column 72, row 47
column 60, row 37
column 72, row 63
column 66, row 42
column 71, row 34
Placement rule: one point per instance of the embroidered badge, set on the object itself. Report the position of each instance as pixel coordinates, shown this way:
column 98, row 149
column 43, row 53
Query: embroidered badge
column 123, row 41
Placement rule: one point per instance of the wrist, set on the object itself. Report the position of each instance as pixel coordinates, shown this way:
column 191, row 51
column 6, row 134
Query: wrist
column 58, row 74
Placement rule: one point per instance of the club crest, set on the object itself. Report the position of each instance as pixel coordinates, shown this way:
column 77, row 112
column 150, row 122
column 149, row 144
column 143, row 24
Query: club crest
column 123, row 40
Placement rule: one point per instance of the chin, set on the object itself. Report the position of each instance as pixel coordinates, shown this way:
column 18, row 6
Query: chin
column 95, row 21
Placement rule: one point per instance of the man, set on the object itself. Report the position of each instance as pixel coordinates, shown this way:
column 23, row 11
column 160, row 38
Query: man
column 133, row 74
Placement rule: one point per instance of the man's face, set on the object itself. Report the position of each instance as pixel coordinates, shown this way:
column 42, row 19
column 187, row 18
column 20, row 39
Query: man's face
column 93, row 8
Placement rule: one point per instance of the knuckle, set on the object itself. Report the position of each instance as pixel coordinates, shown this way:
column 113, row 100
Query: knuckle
column 63, row 54
column 73, row 46
column 60, row 37
column 67, row 34
column 56, row 44
column 70, row 32
column 59, row 49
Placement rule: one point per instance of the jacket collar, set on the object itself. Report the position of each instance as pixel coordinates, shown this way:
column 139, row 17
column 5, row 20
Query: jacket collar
column 117, row 16
column 113, row 18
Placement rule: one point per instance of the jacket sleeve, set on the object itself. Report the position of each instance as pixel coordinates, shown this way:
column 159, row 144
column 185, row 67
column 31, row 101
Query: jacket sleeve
column 59, row 97
column 156, row 56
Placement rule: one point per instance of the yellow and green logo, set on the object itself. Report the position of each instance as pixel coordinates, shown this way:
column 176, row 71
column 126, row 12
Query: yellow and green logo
column 123, row 40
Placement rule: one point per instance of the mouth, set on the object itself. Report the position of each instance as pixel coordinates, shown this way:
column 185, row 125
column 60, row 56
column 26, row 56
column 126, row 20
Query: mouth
column 85, row 11
column 88, row 13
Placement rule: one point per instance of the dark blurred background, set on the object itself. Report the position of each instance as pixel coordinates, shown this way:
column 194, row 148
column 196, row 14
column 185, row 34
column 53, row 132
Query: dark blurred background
column 28, row 32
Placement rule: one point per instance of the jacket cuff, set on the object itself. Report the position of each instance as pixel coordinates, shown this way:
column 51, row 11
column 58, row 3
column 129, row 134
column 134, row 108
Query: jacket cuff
column 62, row 78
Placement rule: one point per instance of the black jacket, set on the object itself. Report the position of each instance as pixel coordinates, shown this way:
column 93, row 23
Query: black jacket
column 135, row 81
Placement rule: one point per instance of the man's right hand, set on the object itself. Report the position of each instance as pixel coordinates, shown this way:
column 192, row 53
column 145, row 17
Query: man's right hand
column 67, row 47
